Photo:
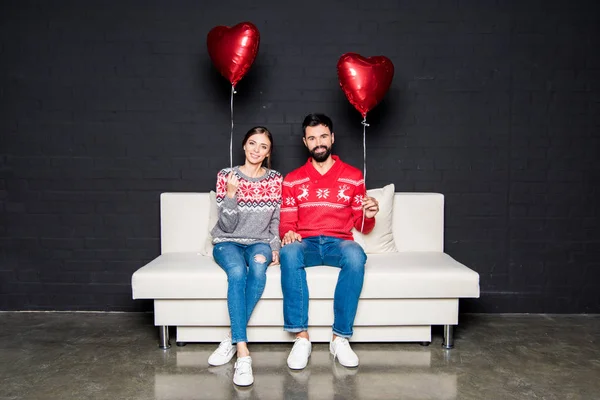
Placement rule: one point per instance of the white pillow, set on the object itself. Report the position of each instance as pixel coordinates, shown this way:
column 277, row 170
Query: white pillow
column 381, row 238
column 213, row 217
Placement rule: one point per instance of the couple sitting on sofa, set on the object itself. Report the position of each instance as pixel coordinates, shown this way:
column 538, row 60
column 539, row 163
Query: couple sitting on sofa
column 304, row 221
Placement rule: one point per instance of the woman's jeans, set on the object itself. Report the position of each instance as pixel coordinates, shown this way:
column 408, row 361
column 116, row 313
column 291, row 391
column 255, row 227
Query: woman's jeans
column 321, row 250
column 246, row 268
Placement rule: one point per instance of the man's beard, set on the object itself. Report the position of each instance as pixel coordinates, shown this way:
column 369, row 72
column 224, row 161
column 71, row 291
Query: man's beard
column 320, row 157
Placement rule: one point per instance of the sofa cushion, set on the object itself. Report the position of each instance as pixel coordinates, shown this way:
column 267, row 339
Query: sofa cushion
column 381, row 238
column 390, row 275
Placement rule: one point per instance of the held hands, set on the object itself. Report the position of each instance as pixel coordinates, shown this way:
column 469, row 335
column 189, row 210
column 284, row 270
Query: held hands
column 370, row 207
column 232, row 184
column 290, row 237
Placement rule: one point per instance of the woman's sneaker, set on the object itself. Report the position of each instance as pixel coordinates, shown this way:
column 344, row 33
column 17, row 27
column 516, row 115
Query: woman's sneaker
column 243, row 372
column 223, row 354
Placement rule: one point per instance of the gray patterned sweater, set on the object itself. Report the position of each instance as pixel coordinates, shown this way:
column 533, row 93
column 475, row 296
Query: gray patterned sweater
column 252, row 215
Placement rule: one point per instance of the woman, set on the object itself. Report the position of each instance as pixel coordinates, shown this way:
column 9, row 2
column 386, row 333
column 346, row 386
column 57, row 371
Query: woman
column 246, row 240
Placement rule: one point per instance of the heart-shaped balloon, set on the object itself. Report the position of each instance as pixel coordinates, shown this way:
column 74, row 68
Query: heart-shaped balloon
column 364, row 80
column 233, row 50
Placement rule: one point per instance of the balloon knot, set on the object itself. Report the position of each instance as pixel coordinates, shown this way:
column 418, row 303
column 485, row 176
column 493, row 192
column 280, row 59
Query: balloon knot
column 364, row 122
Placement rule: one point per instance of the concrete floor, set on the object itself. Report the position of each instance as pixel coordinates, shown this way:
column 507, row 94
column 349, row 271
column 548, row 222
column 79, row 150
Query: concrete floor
column 115, row 356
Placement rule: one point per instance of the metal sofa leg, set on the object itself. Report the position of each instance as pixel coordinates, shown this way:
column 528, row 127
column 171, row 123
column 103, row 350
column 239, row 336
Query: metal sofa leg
column 163, row 337
column 448, row 342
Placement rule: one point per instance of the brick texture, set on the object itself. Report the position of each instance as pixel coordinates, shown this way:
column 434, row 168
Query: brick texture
column 104, row 105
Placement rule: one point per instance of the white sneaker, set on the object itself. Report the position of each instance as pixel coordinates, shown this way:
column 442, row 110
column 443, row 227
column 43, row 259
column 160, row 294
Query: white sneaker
column 341, row 349
column 223, row 354
column 298, row 357
column 243, row 372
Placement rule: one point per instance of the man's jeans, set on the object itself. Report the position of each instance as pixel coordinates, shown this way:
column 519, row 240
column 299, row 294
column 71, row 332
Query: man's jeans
column 246, row 268
column 322, row 250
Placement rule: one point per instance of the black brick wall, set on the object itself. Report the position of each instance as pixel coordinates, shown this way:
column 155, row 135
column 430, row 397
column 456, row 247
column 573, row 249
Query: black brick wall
column 104, row 105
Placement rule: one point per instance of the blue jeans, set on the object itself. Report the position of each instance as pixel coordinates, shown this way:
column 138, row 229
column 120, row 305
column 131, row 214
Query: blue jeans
column 246, row 268
column 321, row 250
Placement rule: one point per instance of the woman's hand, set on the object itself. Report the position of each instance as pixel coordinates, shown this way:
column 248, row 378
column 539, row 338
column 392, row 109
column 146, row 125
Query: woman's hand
column 232, row 185
column 275, row 258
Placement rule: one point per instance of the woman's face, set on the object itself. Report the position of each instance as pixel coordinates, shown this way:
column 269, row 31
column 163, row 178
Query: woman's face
column 257, row 148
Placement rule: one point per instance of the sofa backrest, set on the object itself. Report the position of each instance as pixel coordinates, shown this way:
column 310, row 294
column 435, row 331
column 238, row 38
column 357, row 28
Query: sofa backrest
column 183, row 221
column 418, row 221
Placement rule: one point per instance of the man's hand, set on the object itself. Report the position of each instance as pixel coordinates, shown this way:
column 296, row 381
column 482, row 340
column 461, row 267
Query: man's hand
column 275, row 258
column 370, row 207
column 232, row 185
column 290, row 237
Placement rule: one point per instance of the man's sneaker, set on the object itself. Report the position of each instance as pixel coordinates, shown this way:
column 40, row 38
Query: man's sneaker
column 243, row 372
column 298, row 357
column 223, row 354
column 341, row 349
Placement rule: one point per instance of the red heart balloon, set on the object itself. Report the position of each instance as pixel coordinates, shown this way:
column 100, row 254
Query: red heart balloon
column 364, row 80
column 233, row 50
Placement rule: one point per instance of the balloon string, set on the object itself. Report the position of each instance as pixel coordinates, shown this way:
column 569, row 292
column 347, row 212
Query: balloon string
column 364, row 124
column 231, row 133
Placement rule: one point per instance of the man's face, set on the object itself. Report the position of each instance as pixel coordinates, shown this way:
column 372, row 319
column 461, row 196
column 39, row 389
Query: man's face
column 318, row 140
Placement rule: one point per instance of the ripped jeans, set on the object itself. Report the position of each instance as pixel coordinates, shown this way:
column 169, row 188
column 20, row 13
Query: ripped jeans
column 246, row 268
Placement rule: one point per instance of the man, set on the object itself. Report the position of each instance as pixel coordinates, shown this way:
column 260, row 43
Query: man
column 321, row 202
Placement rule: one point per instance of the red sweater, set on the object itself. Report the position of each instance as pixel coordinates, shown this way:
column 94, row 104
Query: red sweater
column 330, row 204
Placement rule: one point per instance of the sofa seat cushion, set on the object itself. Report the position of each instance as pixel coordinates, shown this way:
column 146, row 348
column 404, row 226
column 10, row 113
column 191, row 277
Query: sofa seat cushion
column 191, row 275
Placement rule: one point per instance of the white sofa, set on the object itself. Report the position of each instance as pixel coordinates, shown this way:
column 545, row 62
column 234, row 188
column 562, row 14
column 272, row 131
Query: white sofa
column 410, row 283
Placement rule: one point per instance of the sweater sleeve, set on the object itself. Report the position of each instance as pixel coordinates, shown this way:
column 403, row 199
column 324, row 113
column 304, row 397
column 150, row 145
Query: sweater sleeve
column 228, row 207
column 357, row 209
column 275, row 242
column 289, row 209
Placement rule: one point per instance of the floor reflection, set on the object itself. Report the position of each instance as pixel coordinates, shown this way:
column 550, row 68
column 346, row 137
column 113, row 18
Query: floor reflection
column 75, row 356
column 406, row 374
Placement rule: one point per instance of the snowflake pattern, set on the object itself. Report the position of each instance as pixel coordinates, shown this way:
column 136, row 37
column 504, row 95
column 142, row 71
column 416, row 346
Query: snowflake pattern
column 222, row 184
column 290, row 201
column 322, row 193
column 259, row 195
column 358, row 199
column 246, row 191
column 264, row 190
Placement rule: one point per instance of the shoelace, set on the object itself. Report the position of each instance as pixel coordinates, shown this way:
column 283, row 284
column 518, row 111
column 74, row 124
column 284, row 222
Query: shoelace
column 342, row 342
column 242, row 367
column 224, row 347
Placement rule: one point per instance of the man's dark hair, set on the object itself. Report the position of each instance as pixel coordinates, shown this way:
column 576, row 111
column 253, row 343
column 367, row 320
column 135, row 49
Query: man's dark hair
column 316, row 120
